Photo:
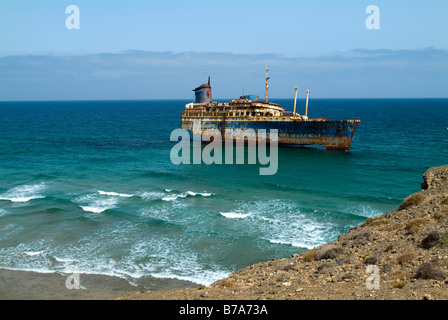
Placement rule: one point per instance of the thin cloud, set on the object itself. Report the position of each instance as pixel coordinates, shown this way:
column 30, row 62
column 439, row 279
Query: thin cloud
column 135, row 74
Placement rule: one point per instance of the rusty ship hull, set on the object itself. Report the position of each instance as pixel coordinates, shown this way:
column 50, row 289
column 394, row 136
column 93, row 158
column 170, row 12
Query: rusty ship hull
column 333, row 134
column 248, row 113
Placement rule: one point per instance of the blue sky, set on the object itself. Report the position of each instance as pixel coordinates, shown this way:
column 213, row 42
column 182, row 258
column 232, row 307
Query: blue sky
column 163, row 49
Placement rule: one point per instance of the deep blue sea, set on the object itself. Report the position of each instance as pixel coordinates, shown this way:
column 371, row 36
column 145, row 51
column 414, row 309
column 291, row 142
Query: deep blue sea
column 90, row 184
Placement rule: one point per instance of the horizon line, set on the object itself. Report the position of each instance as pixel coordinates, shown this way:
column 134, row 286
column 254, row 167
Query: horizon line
column 184, row 99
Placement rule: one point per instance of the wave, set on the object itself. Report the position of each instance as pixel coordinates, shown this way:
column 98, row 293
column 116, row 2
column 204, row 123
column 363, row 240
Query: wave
column 173, row 197
column 282, row 221
column 92, row 203
column 115, row 194
column 294, row 244
column 24, row 193
column 172, row 259
column 151, row 257
column 234, row 215
column 205, row 278
column 60, row 260
column 152, row 195
column 33, row 253
column 365, row 211
column 96, row 208
column 3, row 212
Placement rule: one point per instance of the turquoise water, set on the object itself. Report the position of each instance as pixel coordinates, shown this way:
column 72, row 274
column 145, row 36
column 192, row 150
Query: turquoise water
column 90, row 184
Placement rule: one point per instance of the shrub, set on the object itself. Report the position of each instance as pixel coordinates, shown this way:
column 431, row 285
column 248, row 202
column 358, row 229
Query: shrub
column 309, row 256
column 328, row 253
column 431, row 239
column 376, row 222
column 399, row 285
column 441, row 214
column 428, row 270
column 414, row 225
column 412, row 201
column 325, row 266
column 406, row 257
column 400, row 275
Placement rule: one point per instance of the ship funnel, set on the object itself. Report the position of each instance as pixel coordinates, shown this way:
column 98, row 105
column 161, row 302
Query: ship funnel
column 203, row 93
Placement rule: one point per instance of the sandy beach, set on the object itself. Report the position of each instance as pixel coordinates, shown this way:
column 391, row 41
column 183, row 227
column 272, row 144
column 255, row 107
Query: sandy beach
column 28, row 285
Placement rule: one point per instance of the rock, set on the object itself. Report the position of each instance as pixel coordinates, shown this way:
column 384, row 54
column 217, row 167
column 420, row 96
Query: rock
column 427, row 297
column 372, row 259
column 348, row 276
column 435, row 177
column 431, row 239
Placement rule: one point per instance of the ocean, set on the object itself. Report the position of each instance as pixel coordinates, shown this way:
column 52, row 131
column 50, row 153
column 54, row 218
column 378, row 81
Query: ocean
column 90, row 185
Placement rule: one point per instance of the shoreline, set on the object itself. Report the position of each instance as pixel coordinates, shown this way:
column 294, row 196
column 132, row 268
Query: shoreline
column 32, row 285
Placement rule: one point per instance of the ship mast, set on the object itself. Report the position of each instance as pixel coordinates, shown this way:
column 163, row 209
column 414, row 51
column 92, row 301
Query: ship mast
column 295, row 101
column 267, row 85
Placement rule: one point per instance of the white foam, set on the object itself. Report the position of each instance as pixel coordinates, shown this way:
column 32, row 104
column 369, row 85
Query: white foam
column 294, row 244
column 365, row 211
column 99, row 206
column 234, row 215
column 186, row 194
column 92, row 209
column 63, row 260
column 115, row 194
column 151, row 195
column 173, row 197
column 168, row 257
column 22, row 199
column 202, row 277
column 282, row 222
column 24, row 193
column 94, row 204
column 33, row 253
